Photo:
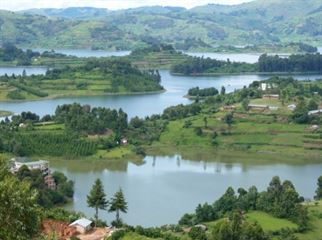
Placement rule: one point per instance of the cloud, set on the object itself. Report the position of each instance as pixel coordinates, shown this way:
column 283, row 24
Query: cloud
column 15, row 5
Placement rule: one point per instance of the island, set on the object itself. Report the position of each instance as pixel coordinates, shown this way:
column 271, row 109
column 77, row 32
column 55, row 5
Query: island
column 93, row 78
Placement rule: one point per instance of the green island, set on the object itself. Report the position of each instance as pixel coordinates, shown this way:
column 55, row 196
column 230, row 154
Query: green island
column 110, row 77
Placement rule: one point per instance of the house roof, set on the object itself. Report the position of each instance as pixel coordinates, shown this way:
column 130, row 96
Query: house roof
column 83, row 222
column 315, row 111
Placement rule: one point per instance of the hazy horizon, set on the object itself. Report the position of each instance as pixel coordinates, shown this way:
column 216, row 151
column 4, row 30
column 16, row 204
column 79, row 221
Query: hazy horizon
column 18, row 5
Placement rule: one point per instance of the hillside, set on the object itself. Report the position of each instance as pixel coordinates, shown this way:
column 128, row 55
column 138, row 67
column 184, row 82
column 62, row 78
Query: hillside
column 257, row 22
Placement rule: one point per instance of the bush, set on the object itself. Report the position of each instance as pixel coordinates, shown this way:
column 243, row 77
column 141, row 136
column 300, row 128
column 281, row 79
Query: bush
column 118, row 234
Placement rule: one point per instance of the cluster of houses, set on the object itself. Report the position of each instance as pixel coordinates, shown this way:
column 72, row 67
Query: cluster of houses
column 43, row 166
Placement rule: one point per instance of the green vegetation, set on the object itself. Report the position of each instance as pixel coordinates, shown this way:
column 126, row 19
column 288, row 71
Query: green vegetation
column 268, row 222
column 206, row 92
column 228, row 123
column 20, row 216
column 258, row 22
column 5, row 113
column 156, row 56
column 265, row 64
column 46, row 197
column 97, row 198
column 95, row 77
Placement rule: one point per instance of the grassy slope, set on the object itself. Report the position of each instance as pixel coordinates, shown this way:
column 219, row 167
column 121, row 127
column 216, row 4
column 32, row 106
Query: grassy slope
column 5, row 113
column 315, row 232
column 268, row 222
column 254, row 136
column 257, row 22
column 115, row 154
column 82, row 84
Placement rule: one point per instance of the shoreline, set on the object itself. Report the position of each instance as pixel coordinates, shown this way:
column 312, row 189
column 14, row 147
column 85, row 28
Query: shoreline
column 57, row 96
column 243, row 73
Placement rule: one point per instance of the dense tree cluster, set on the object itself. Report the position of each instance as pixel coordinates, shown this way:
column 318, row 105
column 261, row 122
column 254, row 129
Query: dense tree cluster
column 266, row 63
column 318, row 192
column 235, row 227
column 294, row 63
column 20, row 215
column 9, row 52
column 154, row 48
column 181, row 111
column 206, row 92
column 91, row 120
column 47, row 197
column 280, row 200
column 201, row 65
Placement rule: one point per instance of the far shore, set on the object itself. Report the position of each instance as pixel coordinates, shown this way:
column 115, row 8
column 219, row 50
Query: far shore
column 244, row 73
column 57, row 96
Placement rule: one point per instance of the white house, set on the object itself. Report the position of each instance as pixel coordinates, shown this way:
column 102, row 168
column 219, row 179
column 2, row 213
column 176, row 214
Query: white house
column 82, row 225
column 315, row 112
column 41, row 165
column 291, row 107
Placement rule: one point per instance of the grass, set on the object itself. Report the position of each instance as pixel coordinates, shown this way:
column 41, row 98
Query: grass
column 5, row 113
column 255, row 135
column 315, row 224
column 268, row 222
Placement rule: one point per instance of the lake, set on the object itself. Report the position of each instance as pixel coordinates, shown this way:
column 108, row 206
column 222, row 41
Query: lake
column 164, row 188
column 137, row 105
column 88, row 52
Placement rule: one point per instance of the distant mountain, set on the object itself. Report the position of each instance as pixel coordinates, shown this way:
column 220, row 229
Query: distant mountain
column 256, row 22
column 77, row 13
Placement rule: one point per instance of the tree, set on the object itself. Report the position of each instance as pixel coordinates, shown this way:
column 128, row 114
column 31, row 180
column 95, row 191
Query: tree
column 312, row 105
column 19, row 213
column 318, row 191
column 118, row 204
column 228, row 119
column 245, row 104
column 97, row 198
column 205, row 120
column 300, row 114
column 223, row 90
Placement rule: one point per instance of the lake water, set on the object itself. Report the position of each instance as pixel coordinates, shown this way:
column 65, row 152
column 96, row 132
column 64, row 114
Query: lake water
column 88, row 52
column 164, row 188
column 137, row 105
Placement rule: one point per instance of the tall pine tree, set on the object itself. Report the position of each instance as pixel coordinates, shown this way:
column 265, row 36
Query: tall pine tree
column 97, row 198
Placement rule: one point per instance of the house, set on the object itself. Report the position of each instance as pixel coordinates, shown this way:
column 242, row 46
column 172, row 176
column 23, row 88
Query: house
column 41, row 165
column 271, row 96
column 291, row 107
column 258, row 106
column 50, row 182
column 82, row 225
column 315, row 112
column 229, row 107
column 273, row 108
column 124, row 141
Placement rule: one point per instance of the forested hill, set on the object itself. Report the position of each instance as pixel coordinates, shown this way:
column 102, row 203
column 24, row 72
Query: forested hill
column 257, row 22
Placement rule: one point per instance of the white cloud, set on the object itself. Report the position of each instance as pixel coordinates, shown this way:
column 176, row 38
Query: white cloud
column 15, row 5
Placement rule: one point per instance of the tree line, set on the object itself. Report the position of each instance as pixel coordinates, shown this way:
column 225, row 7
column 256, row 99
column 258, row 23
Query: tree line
column 266, row 63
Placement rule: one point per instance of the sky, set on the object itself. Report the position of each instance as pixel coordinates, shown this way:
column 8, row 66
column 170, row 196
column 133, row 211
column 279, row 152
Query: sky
column 16, row 5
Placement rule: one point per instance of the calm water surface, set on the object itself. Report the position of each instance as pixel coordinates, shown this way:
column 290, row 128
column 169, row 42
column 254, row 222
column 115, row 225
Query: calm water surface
column 137, row 105
column 164, row 188
column 88, row 52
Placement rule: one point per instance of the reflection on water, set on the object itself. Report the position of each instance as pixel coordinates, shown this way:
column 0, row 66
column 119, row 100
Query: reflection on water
column 162, row 189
